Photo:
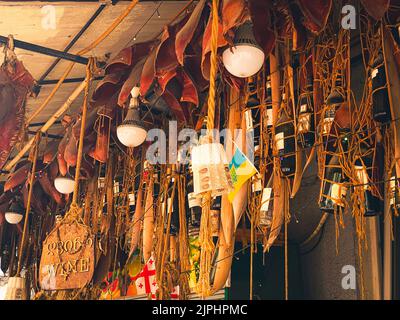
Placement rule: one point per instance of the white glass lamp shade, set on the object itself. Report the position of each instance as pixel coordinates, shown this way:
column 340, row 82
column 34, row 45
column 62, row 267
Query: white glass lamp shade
column 131, row 135
column 210, row 169
column 246, row 57
column 64, row 185
column 243, row 60
column 14, row 213
column 13, row 217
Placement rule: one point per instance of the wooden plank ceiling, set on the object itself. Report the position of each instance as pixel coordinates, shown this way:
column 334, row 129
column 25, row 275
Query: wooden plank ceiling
column 23, row 20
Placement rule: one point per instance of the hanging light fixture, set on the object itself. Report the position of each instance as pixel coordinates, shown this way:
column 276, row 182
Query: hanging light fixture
column 131, row 132
column 15, row 213
column 65, row 184
column 246, row 57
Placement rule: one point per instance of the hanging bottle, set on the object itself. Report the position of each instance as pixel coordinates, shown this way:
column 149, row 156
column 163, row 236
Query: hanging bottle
column 266, row 209
column 380, row 99
column 285, row 143
column 215, row 212
column 364, row 168
column 394, row 196
column 268, row 102
column 253, row 99
column 332, row 103
column 194, row 202
column 334, row 189
column 305, row 124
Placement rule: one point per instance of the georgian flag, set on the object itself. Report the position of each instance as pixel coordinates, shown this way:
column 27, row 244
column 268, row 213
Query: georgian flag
column 146, row 282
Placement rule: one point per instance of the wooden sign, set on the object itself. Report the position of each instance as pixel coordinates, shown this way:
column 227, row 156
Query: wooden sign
column 67, row 260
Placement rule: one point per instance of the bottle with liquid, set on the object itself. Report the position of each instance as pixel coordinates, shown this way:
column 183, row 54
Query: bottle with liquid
column 394, row 196
column 334, row 190
column 268, row 102
column 285, row 143
column 380, row 99
column 305, row 122
column 266, row 209
column 365, row 171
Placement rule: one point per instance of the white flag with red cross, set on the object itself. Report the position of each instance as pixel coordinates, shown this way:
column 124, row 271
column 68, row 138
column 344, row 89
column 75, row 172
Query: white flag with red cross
column 146, row 282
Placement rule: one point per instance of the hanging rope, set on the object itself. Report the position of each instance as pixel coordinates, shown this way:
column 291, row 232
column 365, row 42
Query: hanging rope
column 205, row 237
column 28, row 204
column 74, row 210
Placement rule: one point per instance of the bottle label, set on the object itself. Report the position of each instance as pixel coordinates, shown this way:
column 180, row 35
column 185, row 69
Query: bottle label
column 280, row 140
column 338, row 192
column 257, row 186
column 392, row 191
column 266, row 198
column 362, row 176
column 327, row 125
column 116, row 187
column 131, row 198
column 100, row 182
column 304, row 123
column 269, row 117
column 170, row 205
column 303, row 108
column 249, row 120
column 193, row 200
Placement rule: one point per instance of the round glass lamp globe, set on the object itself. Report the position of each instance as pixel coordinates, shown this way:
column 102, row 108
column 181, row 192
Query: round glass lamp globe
column 243, row 60
column 13, row 217
column 64, row 185
column 131, row 135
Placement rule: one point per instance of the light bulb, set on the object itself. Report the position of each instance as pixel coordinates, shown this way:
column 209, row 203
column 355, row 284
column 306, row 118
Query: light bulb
column 64, row 185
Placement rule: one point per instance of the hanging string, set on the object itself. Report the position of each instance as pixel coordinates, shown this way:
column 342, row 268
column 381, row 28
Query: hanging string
column 28, row 204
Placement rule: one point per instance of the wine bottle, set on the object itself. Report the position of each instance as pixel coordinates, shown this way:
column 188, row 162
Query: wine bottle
column 285, row 144
column 268, row 102
column 366, row 170
column 266, row 209
column 305, row 124
column 394, row 196
column 380, row 99
column 334, row 191
column 194, row 202
column 253, row 99
column 215, row 212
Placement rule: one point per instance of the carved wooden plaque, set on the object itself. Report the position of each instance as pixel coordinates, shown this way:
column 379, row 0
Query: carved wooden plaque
column 67, row 260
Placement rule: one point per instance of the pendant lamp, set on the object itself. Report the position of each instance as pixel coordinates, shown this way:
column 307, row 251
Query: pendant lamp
column 65, row 184
column 15, row 213
column 131, row 132
column 246, row 57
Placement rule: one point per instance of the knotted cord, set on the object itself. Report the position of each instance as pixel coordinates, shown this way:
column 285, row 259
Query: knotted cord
column 207, row 245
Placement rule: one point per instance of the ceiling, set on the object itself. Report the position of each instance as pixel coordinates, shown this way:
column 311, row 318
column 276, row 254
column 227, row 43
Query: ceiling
column 26, row 21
